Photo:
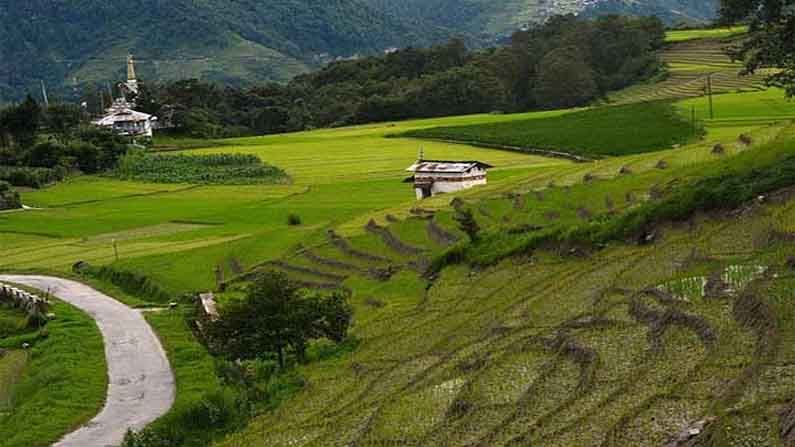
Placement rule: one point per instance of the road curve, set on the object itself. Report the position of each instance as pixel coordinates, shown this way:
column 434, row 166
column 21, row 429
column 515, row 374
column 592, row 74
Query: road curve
column 141, row 383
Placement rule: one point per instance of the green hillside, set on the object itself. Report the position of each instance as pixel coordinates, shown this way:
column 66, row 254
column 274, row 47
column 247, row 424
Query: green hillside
column 231, row 41
column 557, row 328
column 489, row 18
column 71, row 45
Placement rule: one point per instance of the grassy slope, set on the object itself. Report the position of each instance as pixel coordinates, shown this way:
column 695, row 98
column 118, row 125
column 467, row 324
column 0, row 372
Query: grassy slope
column 471, row 361
column 64, row 384
column 597, row 132
column 194, row 371
column 690, row 62
column 178, row 233
column 181, row 254
column 431, row 376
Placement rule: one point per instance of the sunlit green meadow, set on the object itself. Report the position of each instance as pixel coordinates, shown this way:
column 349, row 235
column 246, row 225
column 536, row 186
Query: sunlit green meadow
column 178, row 234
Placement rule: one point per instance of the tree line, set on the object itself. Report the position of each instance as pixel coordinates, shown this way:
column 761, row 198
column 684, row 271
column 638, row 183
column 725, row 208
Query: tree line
column 40, row 145
column 564, row 63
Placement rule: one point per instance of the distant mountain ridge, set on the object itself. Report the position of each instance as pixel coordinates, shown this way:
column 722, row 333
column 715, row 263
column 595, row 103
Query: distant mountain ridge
column 70, row 44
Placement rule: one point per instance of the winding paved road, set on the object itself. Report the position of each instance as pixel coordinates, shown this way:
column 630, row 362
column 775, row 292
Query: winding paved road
column 141, row 384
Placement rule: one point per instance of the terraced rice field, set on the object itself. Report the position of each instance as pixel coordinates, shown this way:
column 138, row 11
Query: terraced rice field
column 630, row 346
column 590, row 351
column 690, row 64
column 179, row 234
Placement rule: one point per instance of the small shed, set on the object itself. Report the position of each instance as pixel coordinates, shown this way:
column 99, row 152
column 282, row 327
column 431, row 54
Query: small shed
column 432, row 177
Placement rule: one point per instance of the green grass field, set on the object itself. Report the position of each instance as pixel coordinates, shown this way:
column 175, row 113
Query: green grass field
column 63, row 384
column 607, row 131
column 684, row 35
column 537, row 349
column 690, row 60
column 178, row 233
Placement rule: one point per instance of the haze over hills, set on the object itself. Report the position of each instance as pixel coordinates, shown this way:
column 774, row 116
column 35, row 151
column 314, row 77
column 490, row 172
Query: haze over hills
column 67, row 44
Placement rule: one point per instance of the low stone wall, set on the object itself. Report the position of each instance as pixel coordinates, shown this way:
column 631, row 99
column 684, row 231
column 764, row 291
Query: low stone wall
column 34, row 305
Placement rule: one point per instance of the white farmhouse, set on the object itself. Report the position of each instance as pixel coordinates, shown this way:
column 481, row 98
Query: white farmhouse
column 432, row 177
column 123, row 120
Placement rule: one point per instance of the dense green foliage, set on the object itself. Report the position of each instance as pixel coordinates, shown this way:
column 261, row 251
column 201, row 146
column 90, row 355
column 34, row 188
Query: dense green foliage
column 31, row 177
column 771, row 42
column 247, row 41
column 61, row 388
column 41, row 146
column 128, row 282
column 277, row 319
column 9, row 199
column 566, row 62
column 229, row 41
column 605, row 131
column 226, row 169
column 213, row 397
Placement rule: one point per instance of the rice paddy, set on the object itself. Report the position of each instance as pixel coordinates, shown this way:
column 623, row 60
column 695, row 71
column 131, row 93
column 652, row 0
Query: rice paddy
column 625, row 346
column 694, row 65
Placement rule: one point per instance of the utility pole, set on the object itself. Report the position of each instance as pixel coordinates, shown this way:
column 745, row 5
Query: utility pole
column 693, row 118
column 116, row 250
column 709, row 94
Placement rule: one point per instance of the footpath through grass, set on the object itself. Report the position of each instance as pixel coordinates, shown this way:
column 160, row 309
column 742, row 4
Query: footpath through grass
column 605, row 131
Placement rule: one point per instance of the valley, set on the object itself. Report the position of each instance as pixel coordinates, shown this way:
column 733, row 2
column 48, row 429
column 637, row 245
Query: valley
column 634, row 292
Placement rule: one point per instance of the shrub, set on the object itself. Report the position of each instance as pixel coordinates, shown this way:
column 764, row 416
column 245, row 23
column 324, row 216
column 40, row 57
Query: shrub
column 9, row 199
column 293, row 220
column 129, row 282
column 31, row 177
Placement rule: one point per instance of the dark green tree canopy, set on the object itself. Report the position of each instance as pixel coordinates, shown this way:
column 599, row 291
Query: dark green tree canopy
column 772, row 37
column 610, row 52
column 277, row 318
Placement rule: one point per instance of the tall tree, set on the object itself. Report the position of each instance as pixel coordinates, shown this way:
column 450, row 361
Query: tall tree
column 276, row 318
column 772, row 37
column 565, row 80
column 20, row 123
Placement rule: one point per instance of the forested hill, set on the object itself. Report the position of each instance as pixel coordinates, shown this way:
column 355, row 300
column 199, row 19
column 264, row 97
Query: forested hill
column 71, row 45
column 224, row 40
column 487, row 18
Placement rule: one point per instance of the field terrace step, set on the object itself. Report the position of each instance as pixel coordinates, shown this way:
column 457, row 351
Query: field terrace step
column 301, row 279
column 391, row 240
column 345, row 246
column 440, row 235
column 377, row 273
column 292, row 268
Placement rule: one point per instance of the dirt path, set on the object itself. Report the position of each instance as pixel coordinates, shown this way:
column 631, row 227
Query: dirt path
column 141, row 383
